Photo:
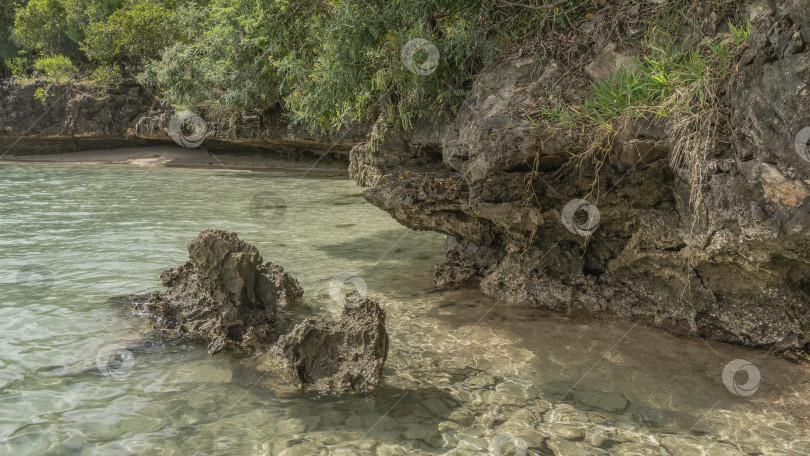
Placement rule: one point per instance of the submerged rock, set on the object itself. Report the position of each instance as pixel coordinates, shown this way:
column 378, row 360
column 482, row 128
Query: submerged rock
column 225, row 294
column 346, row 355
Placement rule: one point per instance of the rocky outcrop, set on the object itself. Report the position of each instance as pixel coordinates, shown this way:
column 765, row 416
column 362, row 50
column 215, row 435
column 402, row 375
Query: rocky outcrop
column 415, row 148
column 737, row 269
column 269, row 134
column 68, row 118
column 74, row 117
column 346, row 355
column 225, row 295
column 488, row 136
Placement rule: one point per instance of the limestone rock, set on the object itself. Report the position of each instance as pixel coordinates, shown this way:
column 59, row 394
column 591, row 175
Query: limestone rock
column 451, row 275
column 79, row 116
column 488, row 134
column 224, row 295
column 737, row 269
column 607, row 62
column 346, row 355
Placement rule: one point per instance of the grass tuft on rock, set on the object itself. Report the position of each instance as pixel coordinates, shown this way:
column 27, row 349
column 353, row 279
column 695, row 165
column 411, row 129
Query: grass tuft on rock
column 672, row 80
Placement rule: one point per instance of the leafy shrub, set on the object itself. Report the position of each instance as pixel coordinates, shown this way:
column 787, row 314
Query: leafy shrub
column 332, row 62
column 348, row 67
column 108, row 75
column 43, row 26
column 57, row 26
column 19, row 67
column 41, row 95
column 329, row 62
column 7, row 48
column 131, row 35
column 223, row 56
column 57, row 68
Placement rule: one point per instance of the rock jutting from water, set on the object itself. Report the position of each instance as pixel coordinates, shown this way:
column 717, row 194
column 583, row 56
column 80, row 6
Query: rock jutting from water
column 224, row 295
column 344, row 355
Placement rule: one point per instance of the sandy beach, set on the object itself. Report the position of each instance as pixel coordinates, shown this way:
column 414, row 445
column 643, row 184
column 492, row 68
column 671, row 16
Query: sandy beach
column 168, row 156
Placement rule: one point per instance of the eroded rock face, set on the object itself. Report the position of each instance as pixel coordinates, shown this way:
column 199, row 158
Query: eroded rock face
column 224, row 295
column 736, row 270
column 77, row 117
column 227, row 296
column 497, row 140
column 415, row 148
column 346, row 355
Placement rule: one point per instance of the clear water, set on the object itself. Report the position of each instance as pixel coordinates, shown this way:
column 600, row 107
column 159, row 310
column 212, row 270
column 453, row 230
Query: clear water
column 465, row 374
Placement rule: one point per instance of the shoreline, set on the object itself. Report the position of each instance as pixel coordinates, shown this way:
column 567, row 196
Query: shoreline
column 174, row 157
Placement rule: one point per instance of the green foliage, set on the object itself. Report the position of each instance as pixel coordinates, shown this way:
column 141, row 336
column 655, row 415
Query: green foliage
column 57, row 26
column 43, row 25
column 333, row 63
column 329, row 62
column 107, row 75
column 741, row 33
column 348, row 67
column 131, row 35
column 41, row 95
column 223, row 56
column 667, row 80
column 8, row 50
column 19, row 67
column 57, row 68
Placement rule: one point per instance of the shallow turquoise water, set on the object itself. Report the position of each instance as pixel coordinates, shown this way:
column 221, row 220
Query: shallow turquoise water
column 74, row 236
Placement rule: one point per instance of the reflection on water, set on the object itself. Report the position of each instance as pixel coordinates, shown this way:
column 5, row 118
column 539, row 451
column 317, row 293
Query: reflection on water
column 465, row 375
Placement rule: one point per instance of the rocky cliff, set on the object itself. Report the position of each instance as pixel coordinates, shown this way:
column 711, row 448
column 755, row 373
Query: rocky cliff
column 622, row 235
column 71, row 117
